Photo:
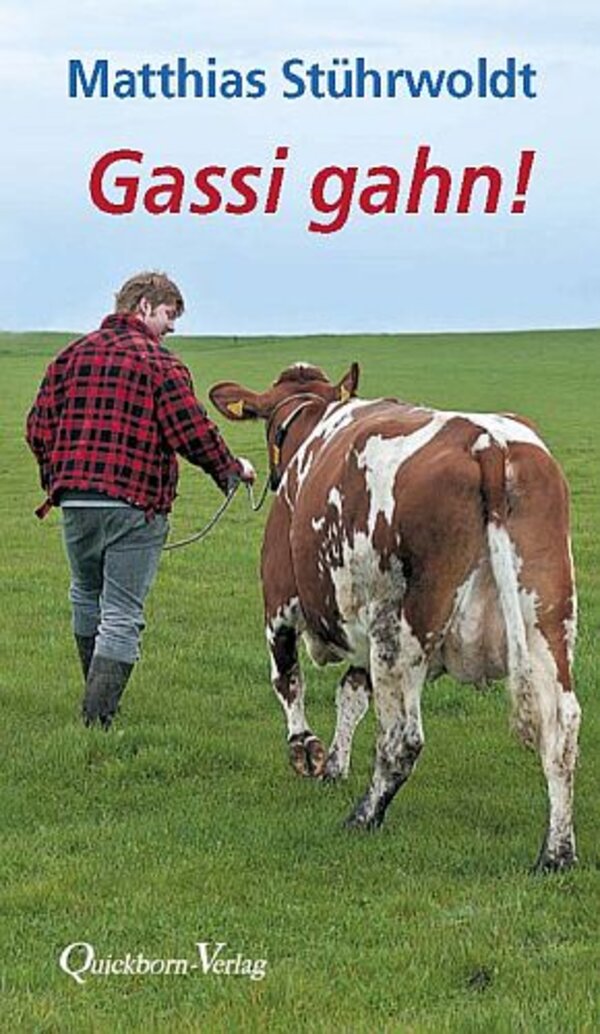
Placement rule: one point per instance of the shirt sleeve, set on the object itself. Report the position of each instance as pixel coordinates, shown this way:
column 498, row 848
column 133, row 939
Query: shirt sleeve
column 42, row 422
column 189, row 430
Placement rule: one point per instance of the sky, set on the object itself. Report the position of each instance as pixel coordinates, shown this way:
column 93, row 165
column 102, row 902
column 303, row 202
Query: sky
column 62, row 259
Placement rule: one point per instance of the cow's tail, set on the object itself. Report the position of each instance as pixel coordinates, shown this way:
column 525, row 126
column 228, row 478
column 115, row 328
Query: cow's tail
column 504, row 561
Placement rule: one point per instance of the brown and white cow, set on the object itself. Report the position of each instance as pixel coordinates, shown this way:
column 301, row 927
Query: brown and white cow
column 409, row 542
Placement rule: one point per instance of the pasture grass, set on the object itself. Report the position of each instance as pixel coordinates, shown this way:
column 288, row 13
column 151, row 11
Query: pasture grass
column 184, row 824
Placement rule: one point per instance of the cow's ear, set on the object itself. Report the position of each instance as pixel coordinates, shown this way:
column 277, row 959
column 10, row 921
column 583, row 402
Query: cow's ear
column 236, row 402
column 346, row 389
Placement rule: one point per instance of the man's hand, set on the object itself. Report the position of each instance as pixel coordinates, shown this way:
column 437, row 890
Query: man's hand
column 248, row 473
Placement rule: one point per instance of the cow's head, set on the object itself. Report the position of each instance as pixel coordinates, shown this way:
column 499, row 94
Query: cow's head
column 290, row 407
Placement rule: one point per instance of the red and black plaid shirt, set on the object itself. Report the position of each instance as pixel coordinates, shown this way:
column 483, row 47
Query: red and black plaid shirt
column 113, row 409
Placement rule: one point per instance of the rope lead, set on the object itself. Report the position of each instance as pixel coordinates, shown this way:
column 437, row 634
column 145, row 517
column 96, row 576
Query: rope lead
column 199, row 535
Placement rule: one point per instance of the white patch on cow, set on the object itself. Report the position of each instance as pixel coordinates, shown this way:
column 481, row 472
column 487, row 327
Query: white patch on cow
column 353, row 581
column 381, row 459
column 570, row 624
column 506, row 565
column 337, row 416
column 570, row 627
column 352, row 703
column 483, row 442
column 467, row 602
column 289, row 615
column 358, row 581
column 503, row 429
column 283, row 491
column 473, row 643
column 304, row 465
column 398, row 669
column 411, row 652
column 333, row 499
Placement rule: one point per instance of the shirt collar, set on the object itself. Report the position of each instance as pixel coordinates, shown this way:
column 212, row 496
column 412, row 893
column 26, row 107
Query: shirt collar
column 130, row 321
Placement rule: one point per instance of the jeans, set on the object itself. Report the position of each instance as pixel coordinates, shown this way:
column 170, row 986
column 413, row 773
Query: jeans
column 113, row 553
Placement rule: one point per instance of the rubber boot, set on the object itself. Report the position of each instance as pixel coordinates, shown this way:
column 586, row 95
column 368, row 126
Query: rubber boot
column 106, row 680
column 85, row 649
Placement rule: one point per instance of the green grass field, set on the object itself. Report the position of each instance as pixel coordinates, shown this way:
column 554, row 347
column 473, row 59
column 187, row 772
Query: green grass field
column 184, row 823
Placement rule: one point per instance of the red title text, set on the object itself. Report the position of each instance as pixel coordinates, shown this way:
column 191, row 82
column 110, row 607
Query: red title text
column 122, row 183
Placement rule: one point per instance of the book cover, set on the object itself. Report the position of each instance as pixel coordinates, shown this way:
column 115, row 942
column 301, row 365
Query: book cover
column 410, row 187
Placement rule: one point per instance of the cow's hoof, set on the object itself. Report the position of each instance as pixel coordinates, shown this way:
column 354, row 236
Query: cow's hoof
column 362, row 821
column 308, row 755
column 333, row 771
column 361, row 824
column 555, row 863
column 558, row 859
column 368, row 814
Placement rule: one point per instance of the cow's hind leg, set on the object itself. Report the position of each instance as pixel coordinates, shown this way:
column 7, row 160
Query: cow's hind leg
column 547, row 717
column 558, row 748
column 306, row 752
column 398, row 669
column 352, row 704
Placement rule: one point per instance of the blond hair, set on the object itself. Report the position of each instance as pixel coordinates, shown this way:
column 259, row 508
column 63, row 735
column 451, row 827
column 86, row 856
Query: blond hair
column 155, row 287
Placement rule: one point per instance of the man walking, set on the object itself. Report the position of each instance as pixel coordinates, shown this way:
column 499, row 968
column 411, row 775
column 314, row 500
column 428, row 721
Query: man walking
column 113, row 410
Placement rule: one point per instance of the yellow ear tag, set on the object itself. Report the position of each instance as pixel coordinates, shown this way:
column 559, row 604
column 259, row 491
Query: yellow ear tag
column 276, row 454
column 236, row 408
column 344, row 393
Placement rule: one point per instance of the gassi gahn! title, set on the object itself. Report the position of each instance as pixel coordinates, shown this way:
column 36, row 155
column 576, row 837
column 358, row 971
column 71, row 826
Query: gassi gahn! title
column 338, row 78
column 120, row 184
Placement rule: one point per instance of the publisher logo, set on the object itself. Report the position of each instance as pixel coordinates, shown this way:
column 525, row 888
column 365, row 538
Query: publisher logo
column 80, row 961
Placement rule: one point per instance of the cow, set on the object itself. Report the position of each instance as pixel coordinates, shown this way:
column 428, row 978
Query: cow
column 408, row 542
